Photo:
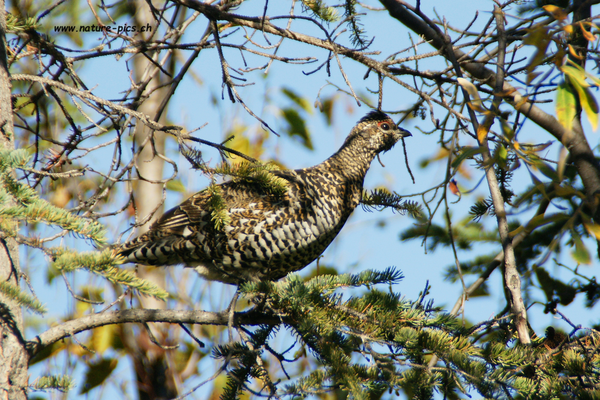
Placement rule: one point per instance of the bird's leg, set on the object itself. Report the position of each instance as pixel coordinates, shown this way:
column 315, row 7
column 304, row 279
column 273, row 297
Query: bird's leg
column 231, row 313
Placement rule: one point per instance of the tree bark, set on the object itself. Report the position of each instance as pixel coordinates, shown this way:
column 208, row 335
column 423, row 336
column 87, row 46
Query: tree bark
column 13, row 355
column 155, row 375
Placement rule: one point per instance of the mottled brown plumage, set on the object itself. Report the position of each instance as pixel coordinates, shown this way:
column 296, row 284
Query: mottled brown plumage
column 268, row 236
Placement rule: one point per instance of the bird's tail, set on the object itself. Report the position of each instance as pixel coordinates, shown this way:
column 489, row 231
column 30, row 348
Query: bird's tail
column 144, row 250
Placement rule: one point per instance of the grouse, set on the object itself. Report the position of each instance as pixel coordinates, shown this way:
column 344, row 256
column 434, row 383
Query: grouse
column 268, row 236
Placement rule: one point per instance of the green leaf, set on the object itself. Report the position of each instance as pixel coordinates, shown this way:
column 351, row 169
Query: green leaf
column 97, row 373
column 554, row 287
column 538, row 37
column 577, row 78
column 547, row 170
column 593, row 78
column 176, row 185
column 539, row 185
column 466, row 152
column 297, row 127
column 502, row 156
column 581, row 254
column 299, row 100
column 104, row 264
column 507, row 130
column 566, row 105
column 326, row 107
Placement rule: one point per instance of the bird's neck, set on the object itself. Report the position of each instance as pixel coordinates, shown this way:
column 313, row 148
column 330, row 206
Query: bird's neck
column 350, row 163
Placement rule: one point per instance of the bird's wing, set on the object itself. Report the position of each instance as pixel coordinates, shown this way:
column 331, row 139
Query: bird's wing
column 194, row 214
column 191, row 212
column 172, row 224
column 196, row 210
column 288, row 175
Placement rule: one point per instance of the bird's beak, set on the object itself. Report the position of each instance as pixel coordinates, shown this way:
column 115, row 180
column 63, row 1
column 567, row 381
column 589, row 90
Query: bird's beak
column 404, row 133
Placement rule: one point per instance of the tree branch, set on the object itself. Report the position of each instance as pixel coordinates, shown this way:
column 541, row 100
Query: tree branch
column 88, row 322
column 512, row 280
column 578, row 146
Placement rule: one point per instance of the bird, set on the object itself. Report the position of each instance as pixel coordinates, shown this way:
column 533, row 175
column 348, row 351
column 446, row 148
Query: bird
column 268, row 236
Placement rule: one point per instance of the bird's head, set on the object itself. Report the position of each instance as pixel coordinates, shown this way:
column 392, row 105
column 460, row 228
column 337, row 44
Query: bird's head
column 377, row 132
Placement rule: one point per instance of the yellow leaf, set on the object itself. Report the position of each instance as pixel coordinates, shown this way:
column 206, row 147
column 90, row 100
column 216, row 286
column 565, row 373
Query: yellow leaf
column 551, row 8
column 562, row 163
column 587, row 35
column 574, row 53
column 442, row 154
column 505, row 93
column 520, row 100
column 595, row 80
column 588, row 104
column 568, row 29
column 61, row 196
column 539, row 147
column 566, row 106
column 176, row 185
column 556, row 12
column 475, row 103
column 593, row 229
column 575, row 73
column 482, row 132
column 102, row 338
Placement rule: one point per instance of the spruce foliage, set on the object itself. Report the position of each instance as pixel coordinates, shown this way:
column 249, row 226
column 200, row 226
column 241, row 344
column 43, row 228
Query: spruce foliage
column 366, row 342
column 61, row 383
column 28, row 206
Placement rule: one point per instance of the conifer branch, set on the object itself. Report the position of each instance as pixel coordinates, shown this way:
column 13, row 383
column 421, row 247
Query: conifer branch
column 321, row 10
column 105, row 264
column 62, row 383
column 21, row 298
column 219, row 215
column 29, row 207
column 258, row 173
column 379, row 199
column 357, row 32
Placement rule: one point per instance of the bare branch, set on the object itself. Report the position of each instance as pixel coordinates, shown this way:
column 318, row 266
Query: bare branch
column 88, row 322
column 581, row 152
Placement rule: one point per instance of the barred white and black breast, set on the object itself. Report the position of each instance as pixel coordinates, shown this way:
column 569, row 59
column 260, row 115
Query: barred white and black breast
column 268, row 235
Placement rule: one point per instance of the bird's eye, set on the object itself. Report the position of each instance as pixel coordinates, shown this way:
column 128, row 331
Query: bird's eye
column 385, row 126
